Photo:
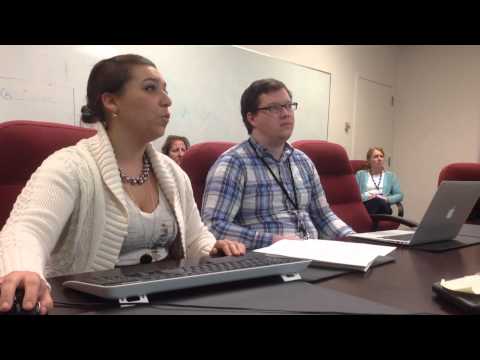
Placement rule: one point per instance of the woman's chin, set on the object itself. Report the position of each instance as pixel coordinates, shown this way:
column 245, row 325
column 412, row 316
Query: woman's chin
column 152, row 136
column 158, row 132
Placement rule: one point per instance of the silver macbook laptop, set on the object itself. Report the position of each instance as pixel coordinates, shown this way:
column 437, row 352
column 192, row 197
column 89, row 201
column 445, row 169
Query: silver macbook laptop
column 447, row 212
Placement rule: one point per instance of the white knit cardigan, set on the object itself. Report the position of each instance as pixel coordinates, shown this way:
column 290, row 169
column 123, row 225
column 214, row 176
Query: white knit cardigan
column 71, row 217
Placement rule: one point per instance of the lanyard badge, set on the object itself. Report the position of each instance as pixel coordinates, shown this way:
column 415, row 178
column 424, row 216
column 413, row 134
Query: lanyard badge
column 302, row 232
column 301, row 227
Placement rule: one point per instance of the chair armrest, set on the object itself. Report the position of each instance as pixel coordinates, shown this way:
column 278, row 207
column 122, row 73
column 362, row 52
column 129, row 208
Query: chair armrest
column 399, row 209
column 377, row 217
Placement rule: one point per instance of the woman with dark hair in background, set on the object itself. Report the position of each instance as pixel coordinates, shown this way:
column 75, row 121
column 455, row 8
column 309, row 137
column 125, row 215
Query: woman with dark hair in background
column 110, row 200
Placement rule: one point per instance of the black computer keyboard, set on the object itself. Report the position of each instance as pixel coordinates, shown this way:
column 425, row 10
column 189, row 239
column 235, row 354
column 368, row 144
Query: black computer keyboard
column 116, row 284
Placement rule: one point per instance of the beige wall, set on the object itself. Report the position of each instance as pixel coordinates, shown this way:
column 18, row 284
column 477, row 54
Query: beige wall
column 436, row 117
column 345, row 63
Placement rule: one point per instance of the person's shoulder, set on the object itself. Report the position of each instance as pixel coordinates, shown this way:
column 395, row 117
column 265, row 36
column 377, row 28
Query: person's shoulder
column 361, row 176
column 68, row 154
column 390, row 174
column 237, row 154
column 67, row 162
column 238, row 150
column 299, row 155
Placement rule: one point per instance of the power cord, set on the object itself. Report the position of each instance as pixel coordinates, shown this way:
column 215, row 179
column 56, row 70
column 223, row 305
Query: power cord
column 276, row 311
column 197, row 308
column 62, row 304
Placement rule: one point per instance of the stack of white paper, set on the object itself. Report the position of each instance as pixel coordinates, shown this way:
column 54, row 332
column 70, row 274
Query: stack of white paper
column 330, row 252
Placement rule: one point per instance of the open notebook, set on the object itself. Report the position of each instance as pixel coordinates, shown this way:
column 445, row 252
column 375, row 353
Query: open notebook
column 330, row 253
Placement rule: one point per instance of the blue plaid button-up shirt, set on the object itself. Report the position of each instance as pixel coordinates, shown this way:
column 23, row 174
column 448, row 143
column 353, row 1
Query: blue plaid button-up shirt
column 243, row 201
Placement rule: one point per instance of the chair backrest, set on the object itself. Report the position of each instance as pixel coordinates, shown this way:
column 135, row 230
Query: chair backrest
column 338, row 181
column 358, row 165
column 463, row 172
column 198, row 160
column 23, row 147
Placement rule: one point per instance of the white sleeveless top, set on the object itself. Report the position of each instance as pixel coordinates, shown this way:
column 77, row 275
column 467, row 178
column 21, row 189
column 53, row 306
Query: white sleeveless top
column 371, row 188
column 148, row 233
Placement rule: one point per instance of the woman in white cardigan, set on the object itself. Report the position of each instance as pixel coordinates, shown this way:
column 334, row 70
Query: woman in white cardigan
column 110, row 200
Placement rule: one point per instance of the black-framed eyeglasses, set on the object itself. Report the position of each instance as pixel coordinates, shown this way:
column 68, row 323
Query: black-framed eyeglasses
column 277, row 108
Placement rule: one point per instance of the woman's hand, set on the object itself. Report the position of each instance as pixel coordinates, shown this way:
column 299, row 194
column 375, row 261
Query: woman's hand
column 36, row 290
column 228, row 248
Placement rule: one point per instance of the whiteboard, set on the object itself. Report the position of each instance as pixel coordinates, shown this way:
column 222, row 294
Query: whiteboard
column 205, row 84
column 22, row 99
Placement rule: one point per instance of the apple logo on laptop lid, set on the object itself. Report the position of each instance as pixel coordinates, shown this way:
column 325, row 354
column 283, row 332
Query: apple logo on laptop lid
column 450, row 213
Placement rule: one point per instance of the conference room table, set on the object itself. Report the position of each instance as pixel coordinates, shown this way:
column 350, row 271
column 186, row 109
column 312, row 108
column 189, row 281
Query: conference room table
column 407, row 282
column 403, row 286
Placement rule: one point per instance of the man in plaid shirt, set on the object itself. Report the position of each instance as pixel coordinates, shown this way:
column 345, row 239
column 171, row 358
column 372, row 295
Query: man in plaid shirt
column 263, row 190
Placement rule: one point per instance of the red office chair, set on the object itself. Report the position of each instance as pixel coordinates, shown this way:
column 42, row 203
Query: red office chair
column 362, row 165
column 198, row 160
column 463, row 172
column 341, row 188
column 23, row 147
column 358, row 165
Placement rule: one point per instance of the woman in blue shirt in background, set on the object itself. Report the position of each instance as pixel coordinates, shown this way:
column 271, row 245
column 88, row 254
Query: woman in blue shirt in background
column 379, row 188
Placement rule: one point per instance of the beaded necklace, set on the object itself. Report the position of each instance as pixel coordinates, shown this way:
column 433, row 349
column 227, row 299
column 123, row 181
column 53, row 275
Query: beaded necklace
column 138, row 180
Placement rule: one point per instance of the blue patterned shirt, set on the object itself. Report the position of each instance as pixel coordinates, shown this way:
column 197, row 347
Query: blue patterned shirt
column 243, row 201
